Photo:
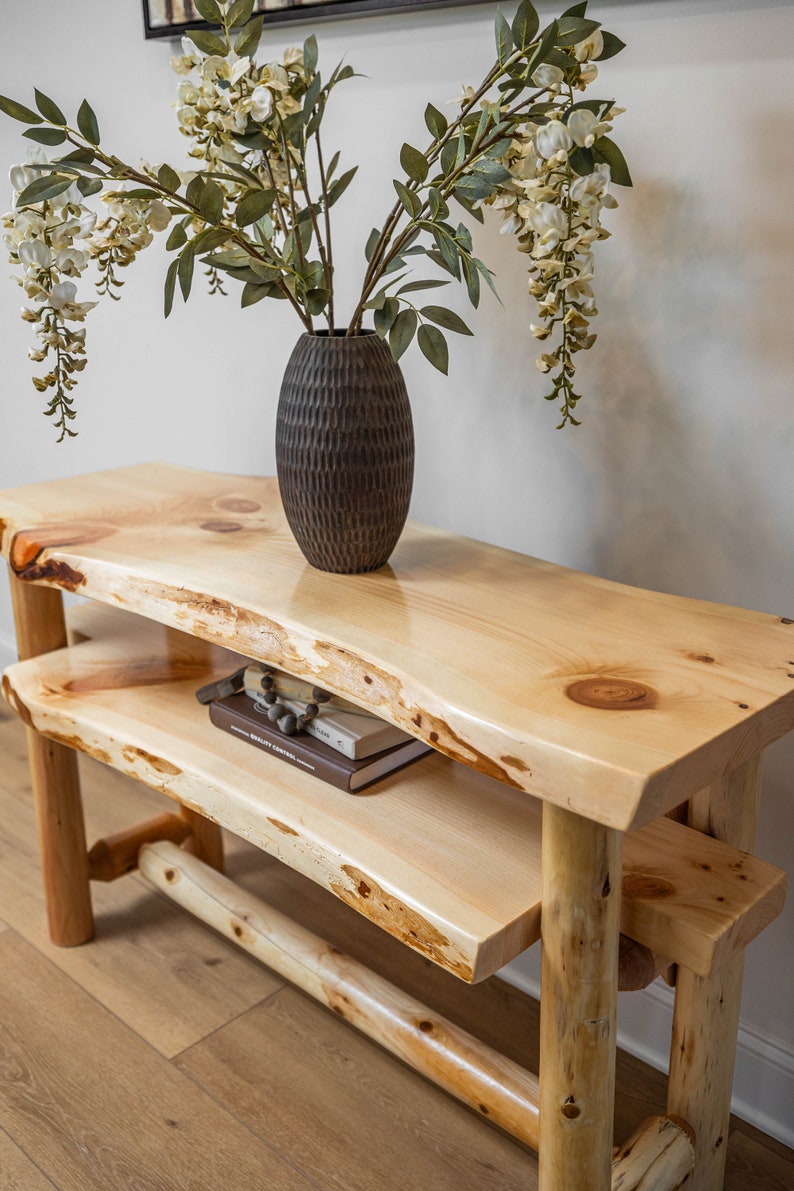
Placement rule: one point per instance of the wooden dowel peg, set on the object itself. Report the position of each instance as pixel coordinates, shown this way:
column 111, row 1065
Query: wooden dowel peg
column 114, row 855
column 657, row 1157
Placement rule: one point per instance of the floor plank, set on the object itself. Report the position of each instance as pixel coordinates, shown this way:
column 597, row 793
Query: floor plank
column 97, row 1109
column 17, row 1170
column 755, row 1166
column 344, row 1111
column 156, row 968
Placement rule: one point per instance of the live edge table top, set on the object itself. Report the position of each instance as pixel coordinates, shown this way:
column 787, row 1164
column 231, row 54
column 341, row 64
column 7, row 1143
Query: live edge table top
column 613, row 701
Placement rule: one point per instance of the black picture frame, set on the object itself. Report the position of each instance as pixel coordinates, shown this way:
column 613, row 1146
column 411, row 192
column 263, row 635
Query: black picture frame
column 161, row 24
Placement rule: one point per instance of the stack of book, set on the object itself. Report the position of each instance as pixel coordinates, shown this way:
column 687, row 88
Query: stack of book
column 323, row 734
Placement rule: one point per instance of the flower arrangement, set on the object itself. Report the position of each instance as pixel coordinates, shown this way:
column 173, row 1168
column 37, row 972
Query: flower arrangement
column 255, row 206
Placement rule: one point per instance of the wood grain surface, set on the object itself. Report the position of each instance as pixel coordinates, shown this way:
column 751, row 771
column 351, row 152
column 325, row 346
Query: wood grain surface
column 611, row 701
column 445, row 859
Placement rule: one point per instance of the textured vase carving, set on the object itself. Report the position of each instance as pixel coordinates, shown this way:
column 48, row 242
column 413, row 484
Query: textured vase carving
column 344, row 451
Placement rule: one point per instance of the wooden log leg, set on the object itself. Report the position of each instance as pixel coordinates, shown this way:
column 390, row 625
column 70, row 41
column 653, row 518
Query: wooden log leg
column 206, row 842
column 38, row 612
column 579, row 930
column 706, row 1014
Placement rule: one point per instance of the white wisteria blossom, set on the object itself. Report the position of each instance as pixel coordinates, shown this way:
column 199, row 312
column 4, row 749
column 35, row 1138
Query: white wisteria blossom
column 254, row 205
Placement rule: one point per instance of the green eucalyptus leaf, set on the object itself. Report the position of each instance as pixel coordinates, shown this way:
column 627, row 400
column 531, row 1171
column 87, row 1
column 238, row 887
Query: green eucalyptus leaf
column 402, row 332
column 460, row 151
column 572, row 30
column 492, row 171
column 472, row 278
column 463, row 237
column 253, row 140
column 446, row 318
column 413, row 287
column 247, row 43
column 414, row 163
column 312, row 94
column 185, row 263
column 612, row 46
column 448, row 154
column 263, row 271
column 18, row 111
column 139, row 192
column 253, row 206
column 45, row 136
column 384, row 317
column 44, row 188
column 208, row 43
column 240, row 13
column 208, row 9
column 525, row 25
column 545, row 44
column 448, row 249
column 89, row 186
column 498, row 148
column 310, row 54
column 436, row 121
column 485, row 273
column 254, row 293
column 210, row 239
column 372, row 240
column 176, row 237
column 576, row 10
column 606, row 150
column 170, row 287
column 434, row 348
column 87, row 122
column 581, row 161
column 48, row 108
column 473, row 187
column 503, row 36
column 409, row 199
column 438, row 208
column 338, row 188
column 317, row 300
column 169, row 178
column 333, row 163
column 195, row 189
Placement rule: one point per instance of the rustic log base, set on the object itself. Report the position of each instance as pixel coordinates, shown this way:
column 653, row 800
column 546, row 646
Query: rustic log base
column 659, row 1155
column 494, row 1086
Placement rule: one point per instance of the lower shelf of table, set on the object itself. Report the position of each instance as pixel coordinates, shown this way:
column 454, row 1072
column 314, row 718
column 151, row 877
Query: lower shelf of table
column 443, row 858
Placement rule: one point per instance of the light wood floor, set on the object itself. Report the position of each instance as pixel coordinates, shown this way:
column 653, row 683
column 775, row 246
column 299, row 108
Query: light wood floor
column 159, row 1058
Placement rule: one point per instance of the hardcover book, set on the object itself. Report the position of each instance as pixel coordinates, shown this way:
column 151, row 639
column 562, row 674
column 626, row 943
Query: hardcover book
column 356, row 736
column 348, row 729
column 244, row 717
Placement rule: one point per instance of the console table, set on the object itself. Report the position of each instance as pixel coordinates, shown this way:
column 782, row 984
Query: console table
column 569, row 717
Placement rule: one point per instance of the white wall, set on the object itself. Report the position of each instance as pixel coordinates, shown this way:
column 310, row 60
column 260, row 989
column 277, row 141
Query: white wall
column 681, row 477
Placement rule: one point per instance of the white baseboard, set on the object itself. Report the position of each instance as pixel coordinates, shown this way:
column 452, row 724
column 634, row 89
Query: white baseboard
column 763, row 1082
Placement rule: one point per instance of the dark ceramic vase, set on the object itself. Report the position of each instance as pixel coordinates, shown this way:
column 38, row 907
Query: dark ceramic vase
column 344, row 451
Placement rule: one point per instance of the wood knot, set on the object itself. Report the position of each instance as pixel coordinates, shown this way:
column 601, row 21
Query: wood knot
column 220, row 526
column 646, row 886
column 570, row 1110
column 612, row 694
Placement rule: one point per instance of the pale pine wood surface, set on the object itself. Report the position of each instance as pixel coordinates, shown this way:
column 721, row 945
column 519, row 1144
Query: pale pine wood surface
column 444, row 858
column 397, row 1123
column 614, row 702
